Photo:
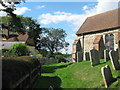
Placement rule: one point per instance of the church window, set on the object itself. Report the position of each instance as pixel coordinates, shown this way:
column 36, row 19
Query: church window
column 109, row 41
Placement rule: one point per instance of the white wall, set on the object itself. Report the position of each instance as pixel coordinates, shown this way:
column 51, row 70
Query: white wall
column 7, row 45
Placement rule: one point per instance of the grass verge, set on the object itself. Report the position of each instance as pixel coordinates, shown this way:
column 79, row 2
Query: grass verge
column 76, row 75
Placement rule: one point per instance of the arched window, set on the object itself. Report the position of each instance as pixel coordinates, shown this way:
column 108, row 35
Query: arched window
column 109, row 41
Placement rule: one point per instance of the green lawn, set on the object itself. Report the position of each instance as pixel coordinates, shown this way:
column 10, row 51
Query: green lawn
column 74, row 75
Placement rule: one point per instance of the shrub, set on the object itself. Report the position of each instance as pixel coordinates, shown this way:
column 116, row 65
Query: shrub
column 43, row 52
column 60, row 58
column 14, row 68
column 18, row 49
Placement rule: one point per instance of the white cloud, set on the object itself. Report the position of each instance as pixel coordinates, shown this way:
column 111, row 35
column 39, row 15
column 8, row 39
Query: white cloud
column 18, row 11
column 85, row 7
column 78, row 19
column 106, row 6
column 39, row 7
column 70, row 41
column 22, row 10
column 3, row 13
column 58, row 16
column 62, row 13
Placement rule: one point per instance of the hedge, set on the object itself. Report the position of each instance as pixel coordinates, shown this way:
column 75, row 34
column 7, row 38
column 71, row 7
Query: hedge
column 14, row 68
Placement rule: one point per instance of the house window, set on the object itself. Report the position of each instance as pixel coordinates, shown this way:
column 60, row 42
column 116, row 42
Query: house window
column 109, row 41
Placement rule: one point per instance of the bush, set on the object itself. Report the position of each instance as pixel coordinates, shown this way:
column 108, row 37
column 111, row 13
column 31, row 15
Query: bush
column 60, row 58
column 43, row 52
column 14, row 68
column 18, row 49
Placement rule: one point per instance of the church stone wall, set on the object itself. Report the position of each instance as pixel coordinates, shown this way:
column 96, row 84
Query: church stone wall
column 87, row 40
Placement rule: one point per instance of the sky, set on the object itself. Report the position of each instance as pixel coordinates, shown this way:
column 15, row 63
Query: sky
column 66, row 15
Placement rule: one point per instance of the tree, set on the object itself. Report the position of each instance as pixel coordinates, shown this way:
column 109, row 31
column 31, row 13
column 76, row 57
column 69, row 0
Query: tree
column 51, row 39
column 28, row 25
column 9, row 6
column 31, row 26
column 43, row 52
column 8, row 23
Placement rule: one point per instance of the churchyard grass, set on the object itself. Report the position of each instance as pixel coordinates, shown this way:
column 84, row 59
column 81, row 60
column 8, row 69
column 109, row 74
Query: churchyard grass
column 74, row 75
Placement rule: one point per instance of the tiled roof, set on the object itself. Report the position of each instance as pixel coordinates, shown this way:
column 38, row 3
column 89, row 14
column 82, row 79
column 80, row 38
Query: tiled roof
column 5, row 31
column 30, row 41
column 15, row 37
column 22, row 37
column 12, row 39
column 100, row 22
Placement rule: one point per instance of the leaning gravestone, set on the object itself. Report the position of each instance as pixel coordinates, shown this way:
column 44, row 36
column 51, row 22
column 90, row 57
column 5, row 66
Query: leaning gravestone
column 106, row 55
column 79, row 56
column 107, row 75
column 87, row 56
column 114, row 59
column 94, row 57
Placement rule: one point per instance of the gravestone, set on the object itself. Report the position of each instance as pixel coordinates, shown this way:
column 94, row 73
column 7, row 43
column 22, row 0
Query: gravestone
column 107, row 76
column 87, row 56
column 94, row 57
column 119, row 50
column 114, row 59
column 79, row 56
column 106, row 55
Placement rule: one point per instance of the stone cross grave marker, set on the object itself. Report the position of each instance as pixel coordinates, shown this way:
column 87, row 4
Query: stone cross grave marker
column 94, row 57
column 107, row 75
column 79, row 56
column 106, row 55
column 114, row 59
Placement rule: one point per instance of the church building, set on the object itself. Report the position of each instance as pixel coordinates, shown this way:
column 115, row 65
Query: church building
column 98, row 32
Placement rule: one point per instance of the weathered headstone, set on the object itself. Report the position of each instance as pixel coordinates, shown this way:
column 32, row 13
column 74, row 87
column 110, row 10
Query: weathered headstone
column 114, row 59
column 87, row 56
column 107, row 75
column 119, row 50
column 106, row 55
column 94, row 57
column 79, row 56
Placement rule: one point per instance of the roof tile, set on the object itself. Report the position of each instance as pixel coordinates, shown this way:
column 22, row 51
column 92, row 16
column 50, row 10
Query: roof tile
column 100, row 22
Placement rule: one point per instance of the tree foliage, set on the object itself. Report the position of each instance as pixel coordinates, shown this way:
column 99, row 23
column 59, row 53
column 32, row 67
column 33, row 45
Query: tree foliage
column 52, row 39
column 9, row 6
column 28, row 25
column 43, row 52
